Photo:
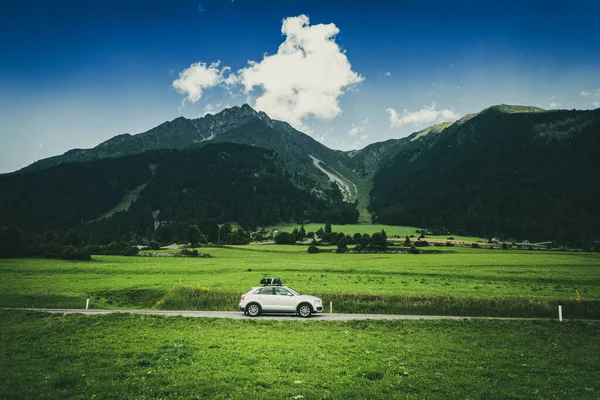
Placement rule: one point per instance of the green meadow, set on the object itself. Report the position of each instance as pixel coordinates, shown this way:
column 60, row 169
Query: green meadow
column 390, row 230
column 457, row 281
column 140, row 357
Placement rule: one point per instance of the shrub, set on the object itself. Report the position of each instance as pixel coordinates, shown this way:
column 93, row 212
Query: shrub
column 285, row 238
column 414, row 250
column 312, row 249
column 73, row 253
column 421, row 243
column 341, row 248
column 475, row 246
column 120, row 249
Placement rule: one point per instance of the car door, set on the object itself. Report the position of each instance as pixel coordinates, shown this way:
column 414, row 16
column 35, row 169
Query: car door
column 266, row 298
column 285, row 300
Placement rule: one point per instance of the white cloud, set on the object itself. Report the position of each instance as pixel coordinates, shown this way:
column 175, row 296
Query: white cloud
column 359, row 128
column 363, row 137
column 305, row 78
column 387, row 74
column 587, row 93
column 424, row 116
column 596, row 103
column 197, row 77
column 554, row 105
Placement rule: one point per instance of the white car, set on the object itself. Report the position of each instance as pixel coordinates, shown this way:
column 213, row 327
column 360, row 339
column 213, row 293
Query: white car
column 279, row 299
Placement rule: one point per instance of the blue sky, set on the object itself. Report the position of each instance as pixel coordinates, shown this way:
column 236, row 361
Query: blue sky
column 75, row 73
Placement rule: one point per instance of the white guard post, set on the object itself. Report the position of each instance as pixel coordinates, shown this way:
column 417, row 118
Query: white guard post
column 560, row 311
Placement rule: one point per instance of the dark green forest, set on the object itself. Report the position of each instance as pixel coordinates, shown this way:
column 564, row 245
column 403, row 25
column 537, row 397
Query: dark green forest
column 215, row 184
column 507, row 171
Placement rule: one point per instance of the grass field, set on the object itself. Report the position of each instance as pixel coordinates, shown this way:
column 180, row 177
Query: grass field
column 390, row 230
column 463, row 281
column 131, row 356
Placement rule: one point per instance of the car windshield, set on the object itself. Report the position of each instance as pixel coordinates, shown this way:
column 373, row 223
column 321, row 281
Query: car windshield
column 293, row 291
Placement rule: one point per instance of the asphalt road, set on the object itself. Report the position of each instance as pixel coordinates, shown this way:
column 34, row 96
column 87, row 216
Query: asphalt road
column 239, row 315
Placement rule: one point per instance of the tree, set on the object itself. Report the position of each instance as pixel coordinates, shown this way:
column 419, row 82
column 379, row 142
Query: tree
column 239, row 236
column 11, row 242
column 224, row 231
column 302, row 233
column 407, row 241
column 327, row 227
column 72, row 238
column 194, row 235
column 320, row 232
column 378, row 241
column 341, row 247
column 285, row 238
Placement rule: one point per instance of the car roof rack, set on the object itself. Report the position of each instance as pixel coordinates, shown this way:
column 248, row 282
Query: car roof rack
column 271, row 281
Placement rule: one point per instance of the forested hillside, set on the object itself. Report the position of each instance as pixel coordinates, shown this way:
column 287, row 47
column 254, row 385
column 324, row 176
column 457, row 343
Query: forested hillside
column 517, row 171
column 219, row 182
column 508, row 171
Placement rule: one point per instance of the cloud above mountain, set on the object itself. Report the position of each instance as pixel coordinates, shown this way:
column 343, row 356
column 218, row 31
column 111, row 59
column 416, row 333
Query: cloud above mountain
column 305, row 78
column 425, row 116
column 197, row 77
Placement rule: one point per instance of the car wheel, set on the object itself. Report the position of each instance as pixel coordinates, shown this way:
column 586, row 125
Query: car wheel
column 304, row 310
column 253, row 310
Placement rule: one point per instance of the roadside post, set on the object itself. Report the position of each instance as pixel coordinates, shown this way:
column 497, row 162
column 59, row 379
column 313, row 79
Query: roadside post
column 560, row 311
column 87, row 302
column 331, row 307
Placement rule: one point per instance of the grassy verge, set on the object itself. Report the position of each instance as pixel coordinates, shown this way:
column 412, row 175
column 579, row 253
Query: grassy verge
column 189, row 298
column 131, row 356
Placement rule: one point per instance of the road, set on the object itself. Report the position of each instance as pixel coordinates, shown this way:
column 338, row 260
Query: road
column 269, row 317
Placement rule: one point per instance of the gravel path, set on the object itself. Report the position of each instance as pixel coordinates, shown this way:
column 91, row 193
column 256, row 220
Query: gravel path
column 239, row 315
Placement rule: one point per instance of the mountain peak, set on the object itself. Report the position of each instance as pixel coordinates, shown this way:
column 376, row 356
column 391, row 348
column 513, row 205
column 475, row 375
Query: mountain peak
column 513, row 109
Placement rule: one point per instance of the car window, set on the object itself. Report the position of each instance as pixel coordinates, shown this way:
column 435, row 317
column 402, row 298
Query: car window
column 281, row 291
column 266, row 290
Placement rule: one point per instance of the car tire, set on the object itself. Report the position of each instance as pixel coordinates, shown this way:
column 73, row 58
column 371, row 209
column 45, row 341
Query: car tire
column 253, row 310
column 304, row 310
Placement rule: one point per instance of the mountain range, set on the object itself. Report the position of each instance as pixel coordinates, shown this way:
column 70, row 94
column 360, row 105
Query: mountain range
column 508, row 170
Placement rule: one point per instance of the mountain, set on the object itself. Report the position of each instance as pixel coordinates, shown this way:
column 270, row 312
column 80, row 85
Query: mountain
column 134, row 194
column 368, row 160
column 511, row 170
column 312, row 164
column 507, row 170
